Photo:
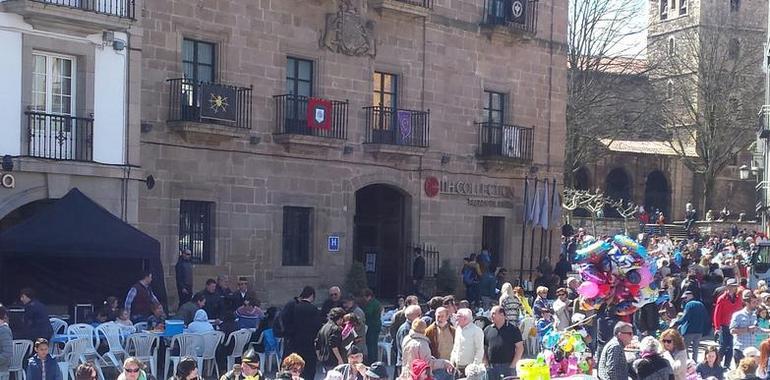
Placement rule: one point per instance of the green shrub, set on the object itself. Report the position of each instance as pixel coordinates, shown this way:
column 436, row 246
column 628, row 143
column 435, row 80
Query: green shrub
column 355, row 280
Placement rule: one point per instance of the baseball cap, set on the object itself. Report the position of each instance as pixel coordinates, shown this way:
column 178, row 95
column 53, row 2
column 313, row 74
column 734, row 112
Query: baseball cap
column 377, row 371
column 731, row 282
column 747, row 295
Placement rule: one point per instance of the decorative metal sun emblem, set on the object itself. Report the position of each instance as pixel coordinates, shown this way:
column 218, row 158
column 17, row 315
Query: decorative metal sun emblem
column 218, row 103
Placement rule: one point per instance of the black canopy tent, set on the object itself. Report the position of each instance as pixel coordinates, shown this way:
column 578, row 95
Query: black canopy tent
column 75, row 251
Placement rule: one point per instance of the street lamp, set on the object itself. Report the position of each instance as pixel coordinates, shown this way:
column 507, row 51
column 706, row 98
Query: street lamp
column 743, row 172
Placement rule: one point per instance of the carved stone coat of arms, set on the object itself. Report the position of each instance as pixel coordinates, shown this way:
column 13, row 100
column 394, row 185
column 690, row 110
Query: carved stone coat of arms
column 348, row 32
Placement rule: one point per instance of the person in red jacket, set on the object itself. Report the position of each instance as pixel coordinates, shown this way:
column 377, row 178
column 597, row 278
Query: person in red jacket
column 727, row 304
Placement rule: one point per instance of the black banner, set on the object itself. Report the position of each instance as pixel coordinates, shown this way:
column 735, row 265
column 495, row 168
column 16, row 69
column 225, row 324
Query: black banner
column 218, row 102
column 519, row 12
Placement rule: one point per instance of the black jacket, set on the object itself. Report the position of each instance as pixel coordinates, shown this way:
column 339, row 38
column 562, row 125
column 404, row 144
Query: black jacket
column 301, row 324
column 647, row 318
column 184, row 275
column 36, row 323
column 418, row 268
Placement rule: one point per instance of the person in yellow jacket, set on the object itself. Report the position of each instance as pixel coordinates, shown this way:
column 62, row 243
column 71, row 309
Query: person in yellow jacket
column 519, row 291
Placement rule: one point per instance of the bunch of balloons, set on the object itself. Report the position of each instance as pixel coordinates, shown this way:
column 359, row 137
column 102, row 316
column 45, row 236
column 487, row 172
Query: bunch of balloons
column 565, row 353
column 615, row 272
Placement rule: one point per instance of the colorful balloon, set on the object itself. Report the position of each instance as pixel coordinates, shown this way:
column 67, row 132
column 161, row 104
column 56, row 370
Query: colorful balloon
column 593, row 250
column 633, row 276
column 588, row 289
column 627, row 242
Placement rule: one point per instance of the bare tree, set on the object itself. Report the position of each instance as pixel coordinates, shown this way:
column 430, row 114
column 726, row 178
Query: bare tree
column 607, row 83
column 710, row 90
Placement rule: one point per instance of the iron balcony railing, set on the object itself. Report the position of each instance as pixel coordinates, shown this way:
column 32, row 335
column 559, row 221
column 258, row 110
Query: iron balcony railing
column 59, row 137
column 520, row 15
column 763, row 125
column 419, row 3
column 119, row 8
column 506, row 141
column 206, row 102
column 291, row 117
column 394, row 126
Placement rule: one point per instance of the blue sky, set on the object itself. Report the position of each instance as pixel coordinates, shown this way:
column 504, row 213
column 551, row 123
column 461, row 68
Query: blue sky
column 637, row 42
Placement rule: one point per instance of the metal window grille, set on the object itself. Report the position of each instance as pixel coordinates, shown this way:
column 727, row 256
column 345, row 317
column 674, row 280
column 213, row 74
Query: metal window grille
column 195, row 230
column 297, row 232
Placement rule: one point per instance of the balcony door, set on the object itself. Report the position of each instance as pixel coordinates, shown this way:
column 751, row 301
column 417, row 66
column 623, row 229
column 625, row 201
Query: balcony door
column 299, row 84
column 384, row 96
column 53, row 131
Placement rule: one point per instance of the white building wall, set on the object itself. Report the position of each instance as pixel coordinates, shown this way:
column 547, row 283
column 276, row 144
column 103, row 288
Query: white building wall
column 110, row 76
column 10, row 88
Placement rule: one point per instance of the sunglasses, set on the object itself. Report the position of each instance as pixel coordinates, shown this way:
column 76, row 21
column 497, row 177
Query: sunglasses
column 131, row 370
column 252, row 365
column 667, row 341
column 627, row 332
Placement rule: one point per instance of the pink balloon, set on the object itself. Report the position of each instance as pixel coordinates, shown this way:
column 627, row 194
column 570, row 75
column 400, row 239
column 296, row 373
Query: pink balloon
column 646, row 277
column 588, row 289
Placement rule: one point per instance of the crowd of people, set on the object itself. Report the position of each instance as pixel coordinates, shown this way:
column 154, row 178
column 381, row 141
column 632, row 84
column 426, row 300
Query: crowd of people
column 701, row 292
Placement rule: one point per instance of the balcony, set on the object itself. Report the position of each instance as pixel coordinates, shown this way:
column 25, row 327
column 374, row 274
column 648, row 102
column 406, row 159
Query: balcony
column 292, row 126
column 213, row 109
column 763, row 125
column 419, row 8
column 83, row 16
column 518, row 16
column 59, row 137
column 503, row 142
column 396, row 131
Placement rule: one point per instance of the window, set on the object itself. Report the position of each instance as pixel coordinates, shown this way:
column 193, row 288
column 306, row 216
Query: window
column 195, row 227
column 733, row 48
column 198, row 60
column 670, row 90
column 735, row 5
column 53, row 86
column 297, row 234
column 671, row 46
column 494, row 107
column 663, row 9
column 683, row 7
column 299, row 77
column 385, row 90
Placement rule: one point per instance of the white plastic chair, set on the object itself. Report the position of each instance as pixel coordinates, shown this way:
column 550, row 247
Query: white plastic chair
column 140, row 326
column 71, row 356
column 189, row 345
column 144, row 346
column 21, row 348
column 112, row 333
column 58, row 325
column 241, row 339
column 88, row 333
column 211, row 340
column 384, row 346
column 265, row 358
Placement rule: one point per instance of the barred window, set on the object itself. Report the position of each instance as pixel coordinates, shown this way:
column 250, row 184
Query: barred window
column 297, row 233
column 195, row 230
column 494, row 107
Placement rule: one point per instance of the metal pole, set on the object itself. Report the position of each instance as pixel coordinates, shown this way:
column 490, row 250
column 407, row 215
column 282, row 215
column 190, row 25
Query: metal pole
column 524, row 230
column 532, row 236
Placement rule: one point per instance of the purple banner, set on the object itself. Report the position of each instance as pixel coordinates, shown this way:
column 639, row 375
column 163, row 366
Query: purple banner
column 404, row 124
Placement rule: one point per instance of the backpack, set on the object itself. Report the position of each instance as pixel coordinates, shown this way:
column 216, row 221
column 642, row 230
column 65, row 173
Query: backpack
column 470, row 276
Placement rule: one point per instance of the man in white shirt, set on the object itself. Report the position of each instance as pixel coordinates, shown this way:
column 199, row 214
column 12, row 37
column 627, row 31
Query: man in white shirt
column 469, row 342
column 561, row 310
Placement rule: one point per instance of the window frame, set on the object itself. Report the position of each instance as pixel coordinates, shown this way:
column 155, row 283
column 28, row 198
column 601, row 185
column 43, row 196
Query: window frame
column 294, row 77
column 671, row 46
column 48, row 91
column 735, row 5
column 488, row 108
column 381, row 94
column 663, row 11
column 289, row 241
column 206, row 254
column 683, row 7
column 196, row 59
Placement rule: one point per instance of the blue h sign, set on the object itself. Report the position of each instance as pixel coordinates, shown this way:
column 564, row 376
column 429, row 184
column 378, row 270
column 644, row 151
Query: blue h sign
column 334, row 243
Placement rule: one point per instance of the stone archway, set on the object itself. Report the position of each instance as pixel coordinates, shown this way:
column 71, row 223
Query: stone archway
column 381, row 236
column 657, row 193
column 617, row 185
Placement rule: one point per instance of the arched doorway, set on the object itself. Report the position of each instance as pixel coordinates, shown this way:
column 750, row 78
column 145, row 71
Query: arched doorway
column 657, row 194
column 381, row 236
column 617, row 187
column 582, row 181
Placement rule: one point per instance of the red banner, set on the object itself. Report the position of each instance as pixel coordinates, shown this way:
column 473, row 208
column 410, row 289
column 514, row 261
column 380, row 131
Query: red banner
column 319, row 113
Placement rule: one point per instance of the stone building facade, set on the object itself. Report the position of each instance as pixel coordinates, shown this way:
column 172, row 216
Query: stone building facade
column 439, row 110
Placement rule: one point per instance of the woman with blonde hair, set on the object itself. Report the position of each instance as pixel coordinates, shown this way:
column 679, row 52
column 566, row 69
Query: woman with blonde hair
column 510, row 303
column 519, row 291
column 675, row 352
column 133, row 369
column 294, row 365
